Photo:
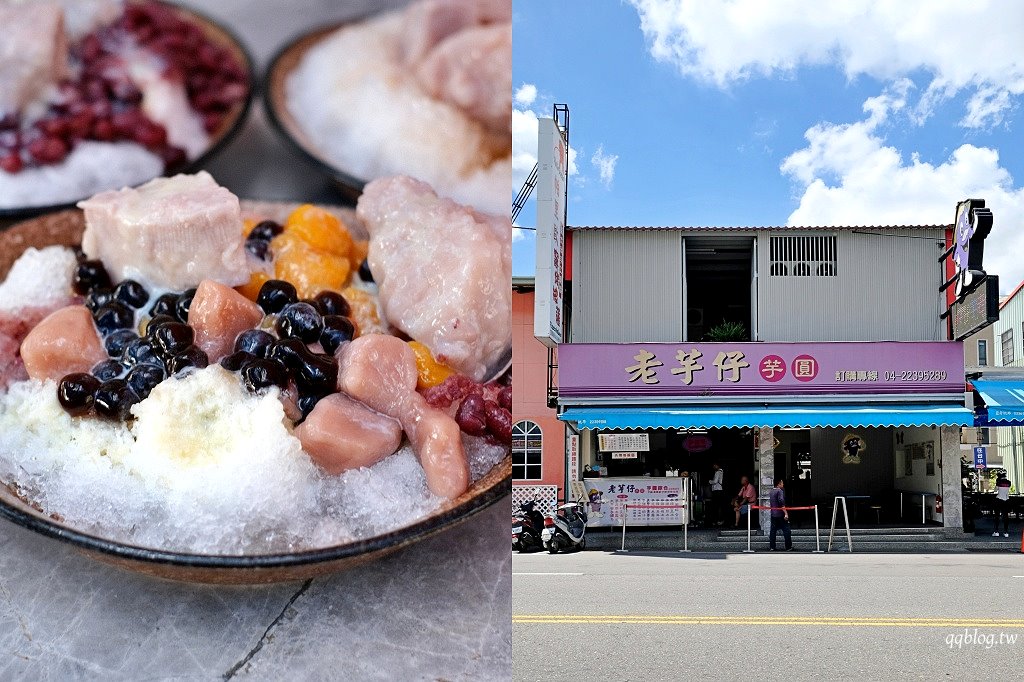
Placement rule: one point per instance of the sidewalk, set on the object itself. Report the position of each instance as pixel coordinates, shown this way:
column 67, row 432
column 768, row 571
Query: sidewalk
column 912, row 540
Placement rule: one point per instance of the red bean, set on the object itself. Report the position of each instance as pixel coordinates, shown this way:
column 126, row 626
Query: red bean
column 173, row 156
column 79, row 125
column 125, row 123
column 211, row 121
column 472, row 416
column 150, row 135
column 499, row 421
column 47, row 150
column 103, row 130
column 91, row 48
column 453, row 389
column 52, row 127
column 11, row 162
column 505, row 397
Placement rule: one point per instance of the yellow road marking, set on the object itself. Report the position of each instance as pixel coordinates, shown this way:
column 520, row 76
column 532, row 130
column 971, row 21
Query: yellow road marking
column 842, row 621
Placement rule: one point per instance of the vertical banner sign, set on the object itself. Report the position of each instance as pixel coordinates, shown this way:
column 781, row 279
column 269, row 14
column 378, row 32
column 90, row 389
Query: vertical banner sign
column 980, row 459
column 552, row 174
column 574, row 457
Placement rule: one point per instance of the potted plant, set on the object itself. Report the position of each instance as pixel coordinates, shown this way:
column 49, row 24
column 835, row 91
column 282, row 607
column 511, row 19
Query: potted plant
column 727, row 331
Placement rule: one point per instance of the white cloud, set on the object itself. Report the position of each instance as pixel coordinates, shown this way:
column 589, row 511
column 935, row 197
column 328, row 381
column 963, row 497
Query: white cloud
column 518, row 234
column 849, row 176
column 524, row 147
column 961, row 45
column 605, row 164
column 526, row 94
column 987, row 106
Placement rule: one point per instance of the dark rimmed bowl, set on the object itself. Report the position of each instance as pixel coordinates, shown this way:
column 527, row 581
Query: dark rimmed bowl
column 224, row 37
column 65, row 227
column 275, row 103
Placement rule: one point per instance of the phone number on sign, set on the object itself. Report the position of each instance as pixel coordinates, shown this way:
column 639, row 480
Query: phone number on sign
column 916, row 375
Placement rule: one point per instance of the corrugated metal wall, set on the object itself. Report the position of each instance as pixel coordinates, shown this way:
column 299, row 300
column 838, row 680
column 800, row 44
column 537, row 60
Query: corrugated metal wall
column 1010, row 439
column 885, row 288
column 1011, row 317
column 627, row 286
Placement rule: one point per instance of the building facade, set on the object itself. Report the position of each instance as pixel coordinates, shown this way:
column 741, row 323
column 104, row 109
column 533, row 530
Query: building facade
column 538, row 437
column 1008, row 351
column 815, row 355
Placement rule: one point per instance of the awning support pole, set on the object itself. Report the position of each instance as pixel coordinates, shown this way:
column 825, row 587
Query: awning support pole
column 686, row 513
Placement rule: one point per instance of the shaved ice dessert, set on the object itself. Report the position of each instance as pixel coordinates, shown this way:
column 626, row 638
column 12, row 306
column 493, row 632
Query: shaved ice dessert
column 197, row 380
column 96, row 94
column 444, row 68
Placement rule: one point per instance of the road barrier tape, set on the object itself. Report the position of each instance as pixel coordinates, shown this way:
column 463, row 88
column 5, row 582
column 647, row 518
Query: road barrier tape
column 654, row 506
column 817, row 529
column 757, row 506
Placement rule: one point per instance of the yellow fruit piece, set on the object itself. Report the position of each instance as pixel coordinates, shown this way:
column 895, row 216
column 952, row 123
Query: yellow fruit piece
column 431, row 372
column 358, row 255
column 252, row 288
column 247, row 226
column 320, row 229
column 364, row 311
column 311, row 271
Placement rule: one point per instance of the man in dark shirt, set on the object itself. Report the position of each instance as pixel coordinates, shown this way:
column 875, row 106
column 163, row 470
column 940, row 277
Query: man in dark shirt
column 779, row 516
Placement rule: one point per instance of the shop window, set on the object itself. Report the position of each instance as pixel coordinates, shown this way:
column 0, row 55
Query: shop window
column 803, row 255
column 982, row 353
column 527, row 451
column 1006, row 344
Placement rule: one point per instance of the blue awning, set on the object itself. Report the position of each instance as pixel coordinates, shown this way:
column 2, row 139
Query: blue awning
column 653, row 417
column 1004, row 402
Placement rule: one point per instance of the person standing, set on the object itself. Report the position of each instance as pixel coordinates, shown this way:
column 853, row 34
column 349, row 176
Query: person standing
column 715, row 517
column 1002, row 506
column 779, row 515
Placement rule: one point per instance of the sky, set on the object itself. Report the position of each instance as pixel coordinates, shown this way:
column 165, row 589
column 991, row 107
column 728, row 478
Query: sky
column 790, row 112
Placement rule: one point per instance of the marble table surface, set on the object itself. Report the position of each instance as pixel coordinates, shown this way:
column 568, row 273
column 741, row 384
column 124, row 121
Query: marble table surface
column 439, row 610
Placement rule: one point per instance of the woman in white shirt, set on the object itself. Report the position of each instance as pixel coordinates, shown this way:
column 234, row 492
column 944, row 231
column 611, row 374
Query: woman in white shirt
column 1002, row 506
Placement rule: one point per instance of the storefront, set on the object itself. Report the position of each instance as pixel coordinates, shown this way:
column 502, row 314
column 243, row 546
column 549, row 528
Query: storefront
column 863, row 420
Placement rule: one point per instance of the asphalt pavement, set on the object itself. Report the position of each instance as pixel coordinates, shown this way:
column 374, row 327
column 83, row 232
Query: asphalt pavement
column 673, row 616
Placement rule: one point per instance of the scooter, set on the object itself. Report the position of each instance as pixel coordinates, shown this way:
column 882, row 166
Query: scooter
column 567, row 529
column 526, row 527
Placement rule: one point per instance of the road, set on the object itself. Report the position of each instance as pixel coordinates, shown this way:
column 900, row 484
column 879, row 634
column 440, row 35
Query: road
column 672, row 616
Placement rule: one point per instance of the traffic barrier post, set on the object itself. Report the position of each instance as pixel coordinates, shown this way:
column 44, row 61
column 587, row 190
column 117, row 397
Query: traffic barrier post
column 817, row 532
column 625, row 513
column 787, row 509
column 750, row 512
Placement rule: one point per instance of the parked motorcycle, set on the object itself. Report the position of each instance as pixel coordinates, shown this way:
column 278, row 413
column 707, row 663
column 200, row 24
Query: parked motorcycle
column 526, row 527
column 566, row 529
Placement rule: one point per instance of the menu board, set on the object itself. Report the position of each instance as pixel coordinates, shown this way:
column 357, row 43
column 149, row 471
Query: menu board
column 660, row 500
column 624, row 442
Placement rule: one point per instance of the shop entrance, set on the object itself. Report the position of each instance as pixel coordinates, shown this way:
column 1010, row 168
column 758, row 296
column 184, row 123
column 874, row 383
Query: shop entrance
column 693, row 452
